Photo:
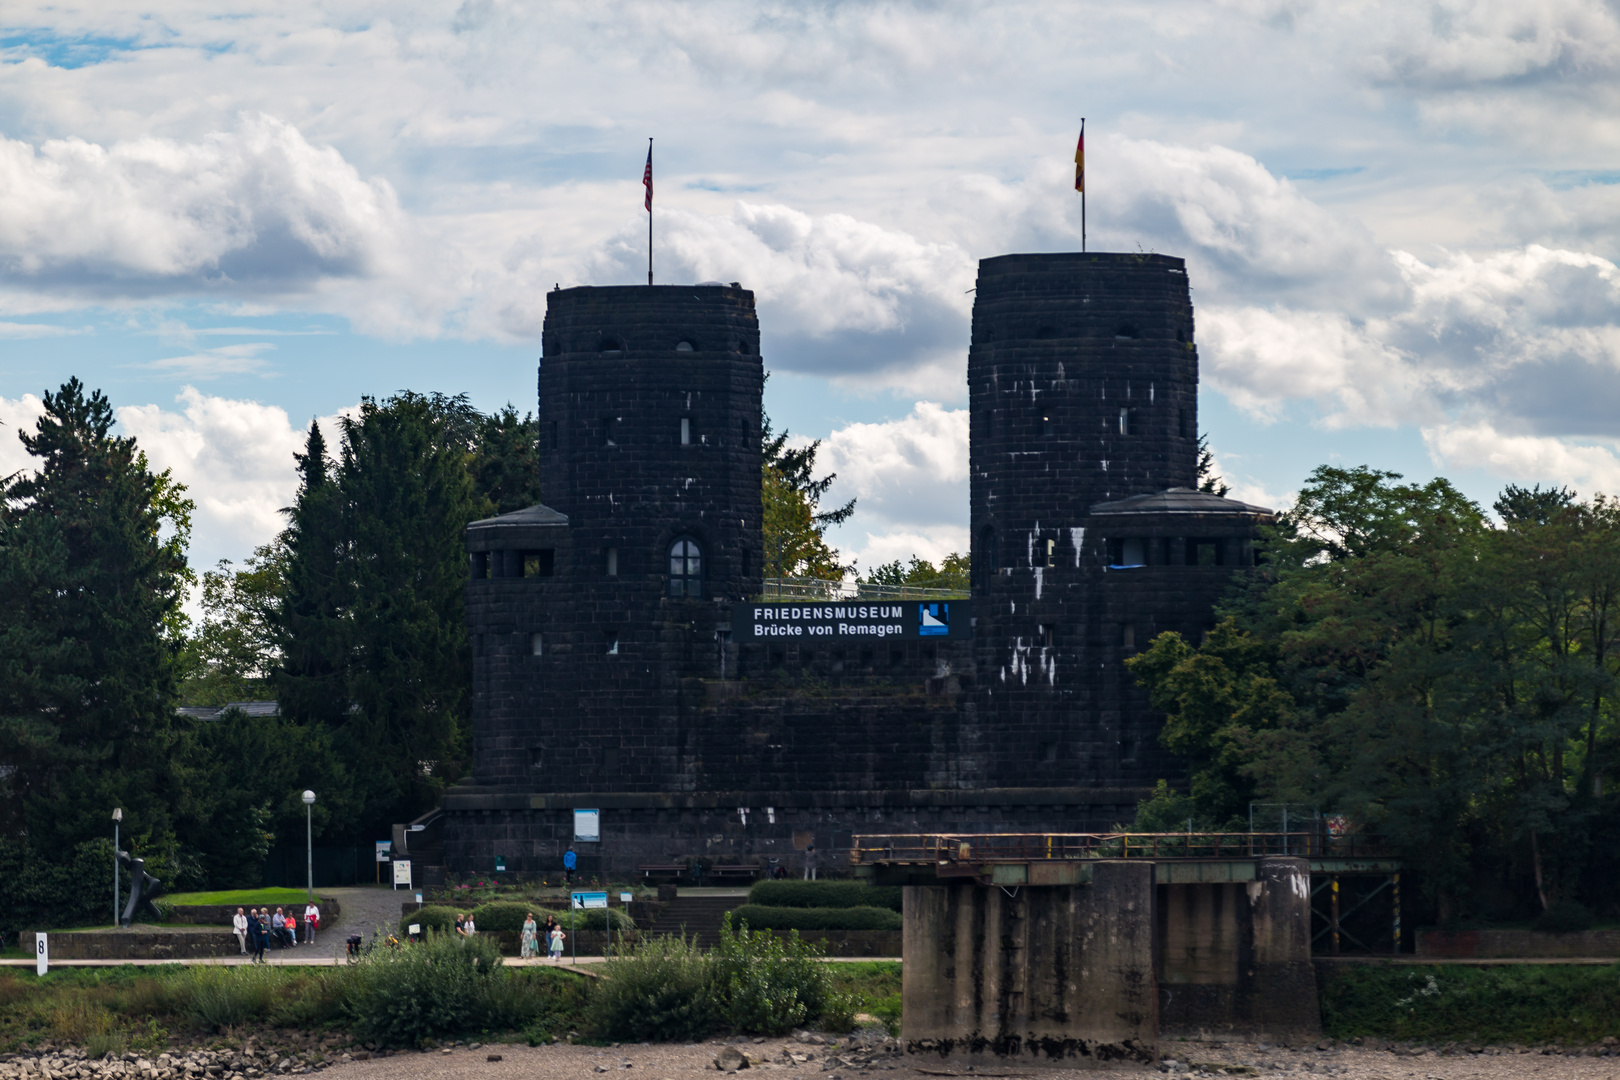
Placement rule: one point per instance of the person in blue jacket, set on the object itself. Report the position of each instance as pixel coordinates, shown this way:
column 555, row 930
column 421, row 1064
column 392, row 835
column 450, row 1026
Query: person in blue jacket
column 570, row 861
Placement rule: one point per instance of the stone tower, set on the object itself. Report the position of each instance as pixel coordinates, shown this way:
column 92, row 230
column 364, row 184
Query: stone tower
column 1083, row 396
column 591, row 611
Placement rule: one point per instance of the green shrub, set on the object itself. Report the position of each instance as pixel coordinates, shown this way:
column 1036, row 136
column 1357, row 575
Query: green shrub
column 220, row 997
column 1564, row 917
column 309, row 1000
column 662, row 990
column 431, row 917
column 771, row 984
column 1513, row 1003
column 589, row 919
column 505, row 915
column 436, row 987
column 532, row 1000
column 824, row 894
column 802, row 918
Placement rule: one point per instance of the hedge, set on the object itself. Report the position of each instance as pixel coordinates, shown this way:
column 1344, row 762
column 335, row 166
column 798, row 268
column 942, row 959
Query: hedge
column 505, row 915
column 760, row 917
column 824, row 894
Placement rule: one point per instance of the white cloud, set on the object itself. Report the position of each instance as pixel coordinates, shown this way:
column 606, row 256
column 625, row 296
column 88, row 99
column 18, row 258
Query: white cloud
column 837, row 296
column 243, row 359
column 1589, row 469
column 910, row 481
column 256, row 210
column 236, row 460
column 17, row 416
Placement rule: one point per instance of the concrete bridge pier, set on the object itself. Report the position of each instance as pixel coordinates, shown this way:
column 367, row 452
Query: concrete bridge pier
column 1059, row 973
column 1089, row 966
column 1234, row 957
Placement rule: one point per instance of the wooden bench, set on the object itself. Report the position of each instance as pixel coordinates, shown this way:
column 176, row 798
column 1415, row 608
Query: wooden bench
column 722, row 872
column 650, row 870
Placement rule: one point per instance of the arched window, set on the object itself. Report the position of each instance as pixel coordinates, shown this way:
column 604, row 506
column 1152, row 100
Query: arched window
column 685, row 569
column 684, row 346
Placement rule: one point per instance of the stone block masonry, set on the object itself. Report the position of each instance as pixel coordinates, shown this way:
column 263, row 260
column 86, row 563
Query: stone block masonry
column 607, row 674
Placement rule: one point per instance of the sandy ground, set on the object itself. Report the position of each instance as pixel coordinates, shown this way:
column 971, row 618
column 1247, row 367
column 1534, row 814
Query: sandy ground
column 673, row 1062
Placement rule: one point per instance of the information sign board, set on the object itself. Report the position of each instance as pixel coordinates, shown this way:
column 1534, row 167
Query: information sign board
column 583, row 900
column 383, row 849
column 587, row 826
column 402, row 873
column 807, row 622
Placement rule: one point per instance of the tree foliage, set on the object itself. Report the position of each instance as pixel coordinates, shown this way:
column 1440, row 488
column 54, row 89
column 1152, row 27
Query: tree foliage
column 953, row 572
column 91, row 576
column 794, row 524
column 1446, row 682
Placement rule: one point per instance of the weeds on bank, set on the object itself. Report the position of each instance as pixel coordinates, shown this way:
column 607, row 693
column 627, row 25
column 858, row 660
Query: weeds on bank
column 668, row 989
column 1506, row 1004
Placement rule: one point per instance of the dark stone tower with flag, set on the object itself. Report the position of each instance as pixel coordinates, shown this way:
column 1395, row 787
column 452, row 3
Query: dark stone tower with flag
column 611, row 676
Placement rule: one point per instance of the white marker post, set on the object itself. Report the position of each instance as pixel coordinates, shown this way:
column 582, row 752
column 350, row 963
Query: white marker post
column 42, row 953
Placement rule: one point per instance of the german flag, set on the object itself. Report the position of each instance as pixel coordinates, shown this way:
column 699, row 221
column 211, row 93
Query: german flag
column 1080, row 161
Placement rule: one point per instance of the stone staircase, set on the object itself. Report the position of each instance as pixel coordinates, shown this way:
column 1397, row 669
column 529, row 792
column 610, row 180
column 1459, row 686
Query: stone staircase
column 700, row 915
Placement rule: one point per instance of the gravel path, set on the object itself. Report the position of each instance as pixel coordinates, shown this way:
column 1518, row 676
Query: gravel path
column 565, row 1062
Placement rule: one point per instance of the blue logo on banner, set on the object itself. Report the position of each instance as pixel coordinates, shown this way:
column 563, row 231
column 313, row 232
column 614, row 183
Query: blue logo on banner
column 934, row 620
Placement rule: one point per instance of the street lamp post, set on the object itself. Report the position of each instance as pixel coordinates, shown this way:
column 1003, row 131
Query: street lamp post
column 309, row 840
column 118, row 816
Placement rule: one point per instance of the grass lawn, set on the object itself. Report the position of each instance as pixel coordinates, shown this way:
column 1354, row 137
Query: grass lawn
column 875, row 985
column 239, row 897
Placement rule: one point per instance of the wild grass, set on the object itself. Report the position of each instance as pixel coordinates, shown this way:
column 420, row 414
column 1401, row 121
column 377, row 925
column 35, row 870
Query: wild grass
column 238, row 897
column 1510, row 1003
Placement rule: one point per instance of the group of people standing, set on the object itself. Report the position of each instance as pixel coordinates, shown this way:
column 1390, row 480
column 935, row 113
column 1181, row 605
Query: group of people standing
column 258, row 928
column 552, row 934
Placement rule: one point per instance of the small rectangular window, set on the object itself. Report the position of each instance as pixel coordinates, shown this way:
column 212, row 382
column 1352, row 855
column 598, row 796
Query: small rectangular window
column 1133, row 552
column 1051, row 553
column 611, row 562
column 537, row 757
column 611, row 638
column 1046, row 425
column 1125, row 421
column 608, row 431
column 686, row 431
column 534, row 644
column 1046, row 634
column 542, row 563
column 1127, row 636
column 478, row 569
column 1183, row 425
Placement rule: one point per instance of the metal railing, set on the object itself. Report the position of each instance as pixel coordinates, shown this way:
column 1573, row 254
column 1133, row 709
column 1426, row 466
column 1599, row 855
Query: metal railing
column 986, row 848
column 806, row 588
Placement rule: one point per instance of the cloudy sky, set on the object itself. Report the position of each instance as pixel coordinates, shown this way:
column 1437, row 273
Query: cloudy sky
column 1399, row 217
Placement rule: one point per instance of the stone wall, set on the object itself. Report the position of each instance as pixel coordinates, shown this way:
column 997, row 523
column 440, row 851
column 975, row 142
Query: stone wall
column 141, row 945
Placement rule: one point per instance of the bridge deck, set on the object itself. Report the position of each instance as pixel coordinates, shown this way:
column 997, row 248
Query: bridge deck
column 1063, row 858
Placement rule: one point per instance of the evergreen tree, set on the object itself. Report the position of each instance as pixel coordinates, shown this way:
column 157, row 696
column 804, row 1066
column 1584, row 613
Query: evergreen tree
column 90, row 590
column 311, row 684
column 407, row 498
column 506, row 463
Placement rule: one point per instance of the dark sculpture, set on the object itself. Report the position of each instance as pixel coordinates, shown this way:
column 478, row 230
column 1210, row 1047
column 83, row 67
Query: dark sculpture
column 143, row 887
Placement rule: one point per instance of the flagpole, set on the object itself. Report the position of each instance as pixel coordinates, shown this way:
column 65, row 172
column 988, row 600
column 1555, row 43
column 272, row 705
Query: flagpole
column 1082, row 196
column 649, row 213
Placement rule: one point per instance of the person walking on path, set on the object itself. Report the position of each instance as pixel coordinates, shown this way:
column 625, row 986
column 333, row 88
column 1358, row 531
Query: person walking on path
column 556, row 943
column 312, row 921
column 570, row 860
column 530, row 943
column 256, row 935
column 239, row 927
column 461, row 925
column 468, row 926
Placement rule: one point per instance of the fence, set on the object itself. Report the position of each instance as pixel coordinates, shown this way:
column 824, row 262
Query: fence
column 806, row 588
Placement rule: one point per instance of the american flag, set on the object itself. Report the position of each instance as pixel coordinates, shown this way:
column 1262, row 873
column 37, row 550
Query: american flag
column 646, row 177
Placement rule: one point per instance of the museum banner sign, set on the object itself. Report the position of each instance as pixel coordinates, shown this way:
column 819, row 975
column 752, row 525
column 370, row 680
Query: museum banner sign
column 852, row 621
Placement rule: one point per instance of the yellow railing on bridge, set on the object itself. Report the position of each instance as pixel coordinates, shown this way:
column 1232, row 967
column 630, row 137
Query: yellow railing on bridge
column 987, row 848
